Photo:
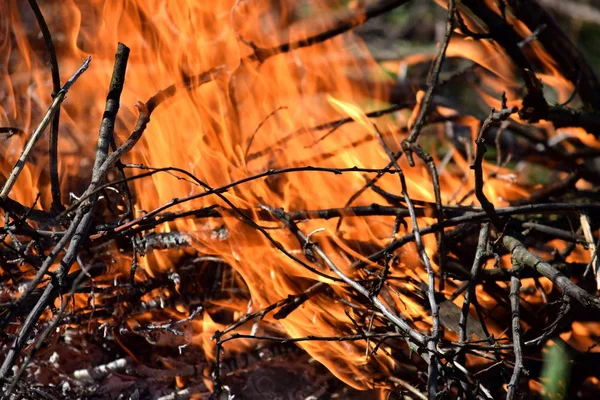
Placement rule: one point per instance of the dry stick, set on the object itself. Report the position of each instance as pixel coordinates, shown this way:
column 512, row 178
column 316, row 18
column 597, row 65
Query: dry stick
column 124, row 185
column 477, row 263
column 475, row 216
column 493, row 118
column 515, row 289
column 331, row 127
column 585, row 221
column 413, row 390
column 101, row 371
column 107, row 127
column 53, row 142
column 265, row 119
column 499, row 224
column 7, row 131
column 435, row 180
column 311, row 338
column 37, row 133
column 433, row 80
column 520, row 253
column 374, row 209
column 435, row 329
column 567, row 236
column 224, row 188
column 83, row 219
column 357, row 18
column 290, row 300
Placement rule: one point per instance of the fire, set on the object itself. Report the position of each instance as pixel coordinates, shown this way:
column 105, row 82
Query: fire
column 256, row 115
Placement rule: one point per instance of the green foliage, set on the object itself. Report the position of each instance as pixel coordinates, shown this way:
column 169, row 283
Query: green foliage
column 555, row 373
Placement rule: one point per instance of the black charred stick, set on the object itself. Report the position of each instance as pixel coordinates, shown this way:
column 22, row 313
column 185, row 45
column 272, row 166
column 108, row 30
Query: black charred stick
column 53, row 142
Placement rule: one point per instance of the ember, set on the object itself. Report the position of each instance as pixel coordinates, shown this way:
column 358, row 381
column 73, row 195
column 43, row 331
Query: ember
column 297, row 210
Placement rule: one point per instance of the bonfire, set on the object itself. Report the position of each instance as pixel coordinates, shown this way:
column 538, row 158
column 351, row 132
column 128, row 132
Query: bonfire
column 267, row 199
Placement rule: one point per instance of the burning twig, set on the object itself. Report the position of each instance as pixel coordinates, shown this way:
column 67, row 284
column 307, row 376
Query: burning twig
column 214, row 191
column 408, row 387
column 410, row 144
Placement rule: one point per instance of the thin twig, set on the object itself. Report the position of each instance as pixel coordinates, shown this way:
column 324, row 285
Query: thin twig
column 53, row 142
column 515, row 291
column 492, row 119
column 432, row 82
column 477, row 263
column 435, row 326
column 37, row 133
